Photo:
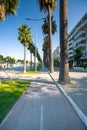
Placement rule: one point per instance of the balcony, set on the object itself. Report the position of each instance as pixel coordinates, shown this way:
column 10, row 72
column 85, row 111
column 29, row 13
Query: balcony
column 80, row 40
column 70, row 53
column 81, row 45
column 80, row 34
column 70, row 46
column 71, row 58
column 84, row 23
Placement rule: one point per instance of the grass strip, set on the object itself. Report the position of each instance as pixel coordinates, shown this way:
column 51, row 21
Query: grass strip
column 32, row 71
column 9, row 94
column 28, row 72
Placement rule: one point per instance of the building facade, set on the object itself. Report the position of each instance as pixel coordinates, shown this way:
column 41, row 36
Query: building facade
column 56, row 56
column 56, row 53
column 78, row 38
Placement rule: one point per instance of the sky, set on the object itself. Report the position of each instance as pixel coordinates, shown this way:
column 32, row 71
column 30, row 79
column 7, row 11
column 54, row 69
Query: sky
column 9, row 44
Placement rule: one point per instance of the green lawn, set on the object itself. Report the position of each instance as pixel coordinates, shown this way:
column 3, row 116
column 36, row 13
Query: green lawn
column 9, row 93
column 29, row 72
column 32, row 71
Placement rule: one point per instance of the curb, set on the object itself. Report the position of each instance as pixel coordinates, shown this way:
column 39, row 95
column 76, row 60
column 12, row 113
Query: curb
column 81, row 115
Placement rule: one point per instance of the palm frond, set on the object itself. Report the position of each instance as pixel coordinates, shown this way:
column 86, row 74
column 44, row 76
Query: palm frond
column 24, row 35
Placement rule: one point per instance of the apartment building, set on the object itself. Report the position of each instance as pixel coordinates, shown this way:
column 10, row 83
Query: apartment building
column 56, row 53
column 78, row 38
column 56, row 56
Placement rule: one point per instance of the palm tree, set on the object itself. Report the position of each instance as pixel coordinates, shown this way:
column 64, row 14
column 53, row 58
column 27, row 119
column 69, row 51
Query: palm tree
column 46, row 52
column 48, row 5
column 20, row 62
column 39, row 58
column 7, row 59
column 45, row 26
column 1, row 60
column 24, row 36
column 77, row 55
column 45, row 29
column 2, row 12
column 64, row 65
column 12, row 61
column 31, row 48
column 7, row 7
column 35, row 56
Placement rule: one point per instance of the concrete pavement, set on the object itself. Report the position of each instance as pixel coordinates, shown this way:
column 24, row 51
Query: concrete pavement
column 42, row 107
column 77, row 90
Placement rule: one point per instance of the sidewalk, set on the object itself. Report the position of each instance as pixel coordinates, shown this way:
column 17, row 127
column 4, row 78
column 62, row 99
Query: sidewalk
column 44, row 69
column 42, row 107
column 77, row 91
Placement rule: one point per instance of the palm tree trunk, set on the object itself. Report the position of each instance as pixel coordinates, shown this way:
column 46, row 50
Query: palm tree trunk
column 50, row 41
column 24, row 59
column 30, row 60
column 34, row 61
column 64, row 65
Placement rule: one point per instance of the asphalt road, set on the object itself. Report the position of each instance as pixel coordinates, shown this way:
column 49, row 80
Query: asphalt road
column 42, row 107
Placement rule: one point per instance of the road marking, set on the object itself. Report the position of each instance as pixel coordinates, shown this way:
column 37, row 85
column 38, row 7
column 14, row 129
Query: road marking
column 41, row 118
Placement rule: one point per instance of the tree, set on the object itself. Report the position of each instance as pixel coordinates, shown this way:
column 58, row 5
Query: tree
column 64, row 65
column 7, row 7
column 20, row 62
column 77, row 55
column 1, row 60
column 39, row 58
column 12, row 60
column 48, row 5
column 24, row 36
column 45, row 26
column 46, row 52
column 7, row 60
column 45, row 29
column 56, row 62
column 32, row 49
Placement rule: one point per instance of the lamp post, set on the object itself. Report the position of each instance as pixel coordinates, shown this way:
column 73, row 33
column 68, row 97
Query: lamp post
column 39, row 19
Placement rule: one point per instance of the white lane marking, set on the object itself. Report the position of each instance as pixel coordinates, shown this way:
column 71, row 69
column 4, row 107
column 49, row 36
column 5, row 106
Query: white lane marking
column 41, row 118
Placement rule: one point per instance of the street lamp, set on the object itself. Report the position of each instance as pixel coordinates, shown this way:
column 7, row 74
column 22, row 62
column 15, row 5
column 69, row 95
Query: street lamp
column 39, row 19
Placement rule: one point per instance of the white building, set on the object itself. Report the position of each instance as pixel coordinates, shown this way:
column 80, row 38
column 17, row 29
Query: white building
column 78, row 38
column 56, row 53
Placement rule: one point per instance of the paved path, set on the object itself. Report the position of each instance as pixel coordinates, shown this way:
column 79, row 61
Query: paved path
column 77, row 90
column 42, row 107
